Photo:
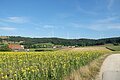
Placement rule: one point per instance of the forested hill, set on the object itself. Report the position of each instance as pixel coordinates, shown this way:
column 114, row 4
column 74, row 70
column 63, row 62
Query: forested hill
column 61, row 41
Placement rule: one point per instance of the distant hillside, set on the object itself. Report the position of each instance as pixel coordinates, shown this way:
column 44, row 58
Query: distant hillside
column 4, row 37
column 60, row 41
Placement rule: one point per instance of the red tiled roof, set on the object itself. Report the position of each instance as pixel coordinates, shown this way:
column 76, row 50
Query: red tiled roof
column 15, row 46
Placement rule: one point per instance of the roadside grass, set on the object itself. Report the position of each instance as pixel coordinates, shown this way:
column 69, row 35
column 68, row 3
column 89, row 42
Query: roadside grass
column 88, row 72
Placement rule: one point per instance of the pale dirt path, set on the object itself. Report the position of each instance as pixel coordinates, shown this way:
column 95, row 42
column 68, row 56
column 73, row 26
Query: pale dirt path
column 110, row 69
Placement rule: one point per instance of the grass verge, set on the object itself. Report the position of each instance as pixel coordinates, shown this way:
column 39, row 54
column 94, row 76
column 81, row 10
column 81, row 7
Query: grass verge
column 88, row 72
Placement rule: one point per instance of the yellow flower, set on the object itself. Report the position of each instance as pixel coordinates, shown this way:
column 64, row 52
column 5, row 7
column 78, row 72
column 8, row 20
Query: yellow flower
column 2, row 77
column 5, row 76
column 33, row 70
column 1, row 73
column 28, row 68
column 10, row 71
column 37, row 69
column 15, row 74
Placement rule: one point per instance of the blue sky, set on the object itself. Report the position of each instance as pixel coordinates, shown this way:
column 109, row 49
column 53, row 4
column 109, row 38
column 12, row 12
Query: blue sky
column 60, row 18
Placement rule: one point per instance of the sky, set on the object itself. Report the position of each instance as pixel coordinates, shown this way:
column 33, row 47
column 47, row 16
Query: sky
column 60, row 18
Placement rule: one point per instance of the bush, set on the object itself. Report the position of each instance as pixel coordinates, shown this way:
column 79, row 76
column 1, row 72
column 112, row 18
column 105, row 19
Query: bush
column 4, row 48
column 116, row 44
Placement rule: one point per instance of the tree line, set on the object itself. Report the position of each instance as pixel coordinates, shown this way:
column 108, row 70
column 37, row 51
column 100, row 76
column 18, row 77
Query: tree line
column 29, row 42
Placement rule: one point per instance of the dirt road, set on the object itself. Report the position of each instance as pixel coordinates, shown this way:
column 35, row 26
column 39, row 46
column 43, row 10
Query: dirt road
column 110, row 69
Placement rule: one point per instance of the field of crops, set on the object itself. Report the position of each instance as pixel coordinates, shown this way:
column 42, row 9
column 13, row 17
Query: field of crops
column 44, row 65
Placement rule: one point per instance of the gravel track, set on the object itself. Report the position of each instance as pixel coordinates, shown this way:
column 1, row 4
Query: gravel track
column 110, row 69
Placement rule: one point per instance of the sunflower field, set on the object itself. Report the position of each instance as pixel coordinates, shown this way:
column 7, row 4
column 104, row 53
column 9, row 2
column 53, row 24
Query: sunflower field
column 53, row 65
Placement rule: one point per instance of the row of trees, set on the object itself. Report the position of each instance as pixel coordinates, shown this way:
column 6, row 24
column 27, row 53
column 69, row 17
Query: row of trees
column 39, row 42
column 42, row 45
column 4, row 47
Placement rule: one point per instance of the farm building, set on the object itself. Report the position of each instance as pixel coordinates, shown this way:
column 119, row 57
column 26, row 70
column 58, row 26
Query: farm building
column 16, row 47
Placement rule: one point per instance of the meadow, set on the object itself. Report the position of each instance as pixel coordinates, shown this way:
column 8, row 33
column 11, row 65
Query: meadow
column 114, row 48
column 46, row 65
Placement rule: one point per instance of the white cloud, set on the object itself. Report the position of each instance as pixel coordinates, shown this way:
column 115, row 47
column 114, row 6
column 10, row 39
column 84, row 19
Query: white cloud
column 101, row 24
column 7, row 28
column 104, row 27
column 105, row 24
column 76, row 25
column 86, row 11
column 15, row 19
column 35, row 24
column 48, row 26
column 109, row 19
column 38, row 27
column 64, row 15
column 114, row 26
column 110, row 4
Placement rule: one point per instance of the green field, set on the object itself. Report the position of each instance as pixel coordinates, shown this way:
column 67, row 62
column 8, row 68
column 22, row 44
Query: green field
column 42, row 49
column 114, row 48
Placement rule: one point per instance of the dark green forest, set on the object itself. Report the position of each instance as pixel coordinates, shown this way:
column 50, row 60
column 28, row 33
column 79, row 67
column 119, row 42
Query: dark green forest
column 29, row 42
